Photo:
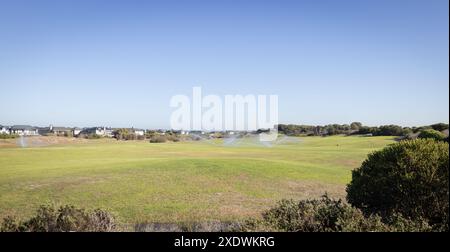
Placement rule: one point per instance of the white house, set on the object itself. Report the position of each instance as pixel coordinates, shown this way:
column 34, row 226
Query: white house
column 24, row 130
column 101, row 131
column 138, row 132
column 161, row 132
column 4, row 130
column 109, row 132
column 197, row 132
column 76, row 131
column 57, row 131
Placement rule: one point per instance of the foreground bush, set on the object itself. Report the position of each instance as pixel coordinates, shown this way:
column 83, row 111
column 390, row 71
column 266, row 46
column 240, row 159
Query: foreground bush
column 202, row 226
column 410, row 178
column 327, row 215
column 64, row 219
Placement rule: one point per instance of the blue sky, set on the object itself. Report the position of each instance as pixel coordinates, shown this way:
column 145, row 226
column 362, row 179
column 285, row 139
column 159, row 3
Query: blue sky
column 86, row 63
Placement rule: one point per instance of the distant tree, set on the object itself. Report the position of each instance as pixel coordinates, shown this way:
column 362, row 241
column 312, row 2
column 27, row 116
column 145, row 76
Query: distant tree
column 407, row 131
column 390, row 130
column 150, row 133
column 439, row 126
column 419, row 129
column 353, row 128
column 124, row 134
column 355, row 125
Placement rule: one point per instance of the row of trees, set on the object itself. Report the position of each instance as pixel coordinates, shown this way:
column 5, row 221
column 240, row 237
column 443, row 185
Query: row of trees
column 355, row 128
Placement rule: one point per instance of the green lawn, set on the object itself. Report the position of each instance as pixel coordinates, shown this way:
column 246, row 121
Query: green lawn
column 184, row 181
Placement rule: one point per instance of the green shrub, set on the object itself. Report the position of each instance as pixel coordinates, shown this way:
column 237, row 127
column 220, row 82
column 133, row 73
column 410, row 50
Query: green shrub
column 173, row 138
column 64, row 219
column 158, row 139
column 306, row 216
column 399, row 223
column 68, row 134
column 410, row 178
column 89, row 136
column 8, row 136
column 93, row 136
column 125, row 134
column 326, row 215
column 194, row 138
column 433, row 134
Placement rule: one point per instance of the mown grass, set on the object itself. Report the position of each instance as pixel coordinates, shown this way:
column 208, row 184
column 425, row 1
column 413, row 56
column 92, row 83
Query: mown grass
column 178, row 182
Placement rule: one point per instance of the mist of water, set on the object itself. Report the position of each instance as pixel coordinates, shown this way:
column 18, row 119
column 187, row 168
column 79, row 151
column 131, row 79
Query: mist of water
column 22, row 142
column 253, row 140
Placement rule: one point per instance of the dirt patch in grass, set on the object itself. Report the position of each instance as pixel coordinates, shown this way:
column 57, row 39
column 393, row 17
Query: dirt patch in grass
column 60, row 184
column 52, row 140
column 7, row 143
column 313, row 190
column 43, row 141
column 236, row 204
column 348, row 163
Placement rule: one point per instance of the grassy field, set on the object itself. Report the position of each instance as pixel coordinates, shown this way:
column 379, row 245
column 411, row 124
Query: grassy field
column 177, row 182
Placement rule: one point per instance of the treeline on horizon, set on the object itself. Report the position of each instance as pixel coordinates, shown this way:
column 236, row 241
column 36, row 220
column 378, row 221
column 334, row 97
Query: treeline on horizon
column 356, row 128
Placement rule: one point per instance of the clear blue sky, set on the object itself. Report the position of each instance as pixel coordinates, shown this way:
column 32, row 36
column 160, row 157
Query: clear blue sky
column 86, row 63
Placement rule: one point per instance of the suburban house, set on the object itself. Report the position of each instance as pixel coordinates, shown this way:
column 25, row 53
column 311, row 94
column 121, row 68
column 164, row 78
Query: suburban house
column 76, row 131
column 61, row 131
column 4, row 129
column 57, row 131
column 197, row 132
column 24, row 130
column 101, row 131
column 161, row 132
column 138, row 132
